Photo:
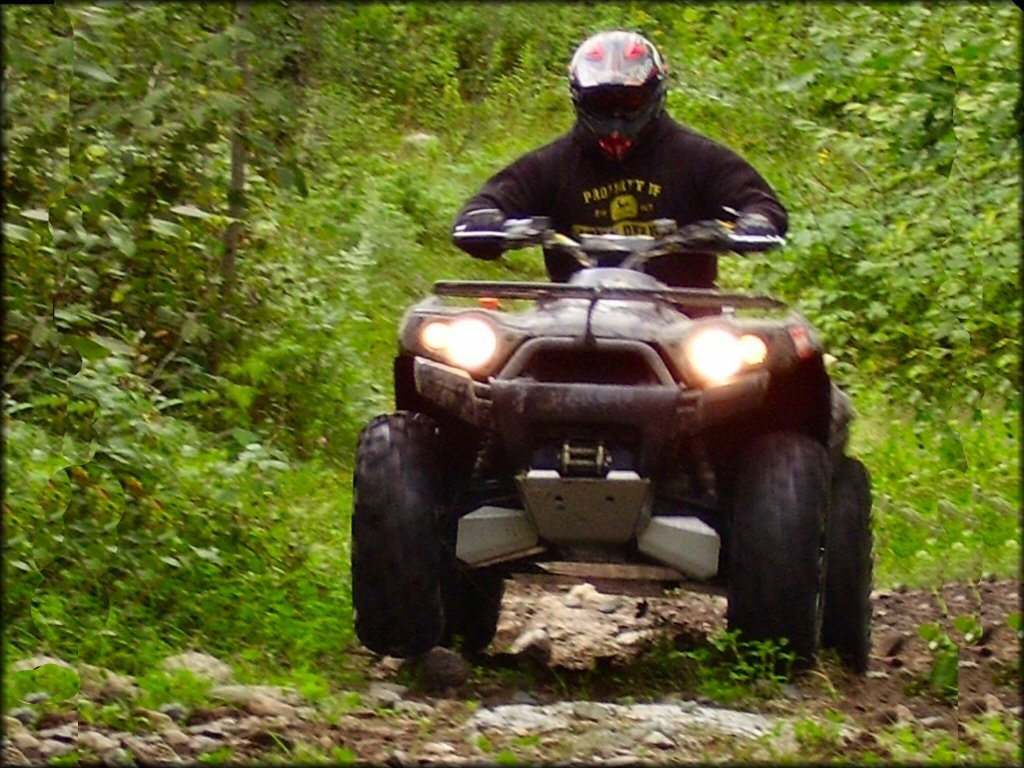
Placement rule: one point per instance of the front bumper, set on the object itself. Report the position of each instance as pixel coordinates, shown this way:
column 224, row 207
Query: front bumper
column 514, row 407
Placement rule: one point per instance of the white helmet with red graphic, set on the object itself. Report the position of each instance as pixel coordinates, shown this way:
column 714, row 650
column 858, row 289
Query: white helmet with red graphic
column 618, row 82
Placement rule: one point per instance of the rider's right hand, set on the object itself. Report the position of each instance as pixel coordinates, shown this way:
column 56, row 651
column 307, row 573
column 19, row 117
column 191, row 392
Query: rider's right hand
column 471, row 232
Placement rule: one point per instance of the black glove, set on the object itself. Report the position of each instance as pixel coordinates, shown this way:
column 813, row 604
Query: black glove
column 472, row 229
column 754, row 224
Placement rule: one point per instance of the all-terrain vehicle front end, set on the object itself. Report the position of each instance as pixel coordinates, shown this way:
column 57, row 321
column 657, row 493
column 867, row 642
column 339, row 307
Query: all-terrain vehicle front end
column 674, row 435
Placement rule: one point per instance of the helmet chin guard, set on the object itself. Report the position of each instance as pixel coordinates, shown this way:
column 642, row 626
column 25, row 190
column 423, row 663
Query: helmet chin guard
column 618, row 83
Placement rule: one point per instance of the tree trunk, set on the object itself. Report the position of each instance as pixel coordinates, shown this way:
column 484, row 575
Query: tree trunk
column 236, row 191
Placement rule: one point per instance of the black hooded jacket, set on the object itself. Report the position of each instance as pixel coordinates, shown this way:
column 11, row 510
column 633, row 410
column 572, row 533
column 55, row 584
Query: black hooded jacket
column 672, row 173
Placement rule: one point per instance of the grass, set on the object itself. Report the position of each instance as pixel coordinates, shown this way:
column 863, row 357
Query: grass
column 946, row 491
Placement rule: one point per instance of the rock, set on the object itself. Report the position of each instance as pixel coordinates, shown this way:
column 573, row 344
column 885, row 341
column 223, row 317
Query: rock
column 438, row 748
column 992, row 703
column 627, row 759
column 150, row 752
column 243, row 695
column 13, row 725
column 590, row 710
column 658, row 740
column 158, row 720
column 51, row 748
column 520, row 719
column 583, row 595
column 200, row 665
column 903, row 714
column 441, row 669
column 119, row 756
column 415, row 708
column 203, row 744
column 176, row 738
column 66, row 732
column 25, row 715
column 630, row 637
column 36, row 697
column 608, row 603
column 96, row 742
column 24, row 741
column 385, row 695
column 261, row 704
column 34, row 662
column 523, row 697
column 105, row 686
column 14, row 756
column 177, row 712
column 534, row 644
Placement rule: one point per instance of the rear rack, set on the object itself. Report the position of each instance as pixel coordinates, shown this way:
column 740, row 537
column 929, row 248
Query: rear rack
column 685, row 297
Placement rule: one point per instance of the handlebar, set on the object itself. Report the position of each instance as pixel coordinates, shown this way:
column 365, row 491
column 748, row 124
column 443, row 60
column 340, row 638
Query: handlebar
column 702, row 237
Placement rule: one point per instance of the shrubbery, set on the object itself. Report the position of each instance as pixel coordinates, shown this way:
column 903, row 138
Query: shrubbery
column 214, row 495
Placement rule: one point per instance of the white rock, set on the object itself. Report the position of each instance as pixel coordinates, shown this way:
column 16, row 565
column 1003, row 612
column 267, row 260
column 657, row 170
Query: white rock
column 199, row 664
column 66, row 732
column 658, row 740
column 521, row 719
column 438, row 748
column 13, row 725
column 534, row 643
column 204, row 744
column 97, row 742
column 176, row 738
column 261, row 704
column 23, row 740
column 55, row 748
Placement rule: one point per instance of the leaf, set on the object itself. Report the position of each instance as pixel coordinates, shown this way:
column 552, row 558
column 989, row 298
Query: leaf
column 36, row 214
column 797, row 83
column 167, row 228
column 191, row 211
column 112, row 344
column 86, row 347
column 18, row 233
column 210, row 554
column 91, row 70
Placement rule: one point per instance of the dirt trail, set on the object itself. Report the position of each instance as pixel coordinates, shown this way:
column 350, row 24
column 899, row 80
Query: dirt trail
column 574, row 674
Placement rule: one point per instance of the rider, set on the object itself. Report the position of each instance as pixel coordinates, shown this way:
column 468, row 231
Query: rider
column 624, row 164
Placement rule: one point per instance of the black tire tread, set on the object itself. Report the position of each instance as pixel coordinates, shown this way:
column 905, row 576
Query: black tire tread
column 776, row 536
column 396, row 550
column 846, row 622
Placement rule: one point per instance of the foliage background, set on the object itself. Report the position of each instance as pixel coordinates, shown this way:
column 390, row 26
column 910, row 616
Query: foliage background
column 178, row 436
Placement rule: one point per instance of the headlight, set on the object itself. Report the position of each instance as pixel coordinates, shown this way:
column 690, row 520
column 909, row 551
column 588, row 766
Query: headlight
column 467, row 342
column 716, row 354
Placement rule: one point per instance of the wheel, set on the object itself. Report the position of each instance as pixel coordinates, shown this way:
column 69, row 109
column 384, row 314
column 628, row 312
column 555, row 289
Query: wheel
column 776, row 532
column 472, row 603
column 396, row 548
column 846, row 620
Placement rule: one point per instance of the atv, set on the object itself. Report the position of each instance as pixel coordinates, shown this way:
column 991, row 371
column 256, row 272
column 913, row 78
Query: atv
column 611, row 427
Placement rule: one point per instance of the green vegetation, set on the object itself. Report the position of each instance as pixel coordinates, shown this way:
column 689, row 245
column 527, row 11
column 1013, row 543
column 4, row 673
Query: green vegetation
column 188, row 361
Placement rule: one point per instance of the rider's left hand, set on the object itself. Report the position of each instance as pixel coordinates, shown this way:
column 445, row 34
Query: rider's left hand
column 754, row 224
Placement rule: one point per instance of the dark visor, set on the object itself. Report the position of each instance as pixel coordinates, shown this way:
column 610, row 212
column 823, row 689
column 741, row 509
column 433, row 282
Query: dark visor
column 615, row 100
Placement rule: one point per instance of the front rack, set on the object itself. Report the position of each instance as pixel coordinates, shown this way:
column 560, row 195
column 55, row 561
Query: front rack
column 684, row 297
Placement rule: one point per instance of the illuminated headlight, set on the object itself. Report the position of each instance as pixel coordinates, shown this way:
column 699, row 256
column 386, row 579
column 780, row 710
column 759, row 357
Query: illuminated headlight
column 716, row 355
column 467, row 342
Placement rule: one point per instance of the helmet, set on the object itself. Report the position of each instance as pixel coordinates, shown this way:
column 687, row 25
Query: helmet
column 618, row 82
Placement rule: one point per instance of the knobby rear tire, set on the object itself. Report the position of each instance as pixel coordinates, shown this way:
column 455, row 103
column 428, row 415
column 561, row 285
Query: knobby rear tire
column 846, row 622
